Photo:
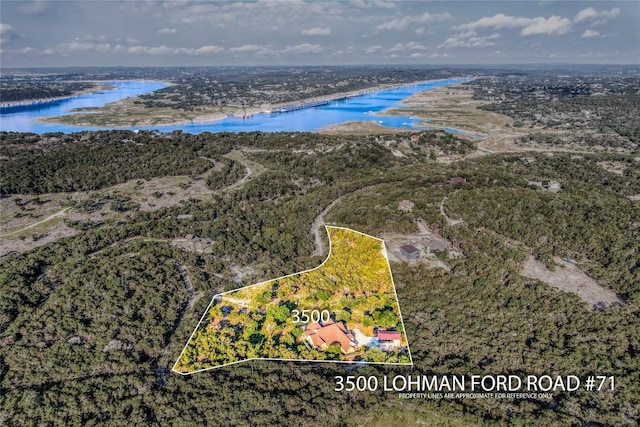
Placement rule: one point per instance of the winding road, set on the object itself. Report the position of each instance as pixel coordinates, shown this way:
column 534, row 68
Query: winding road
column 317, row 228
column 444, row 214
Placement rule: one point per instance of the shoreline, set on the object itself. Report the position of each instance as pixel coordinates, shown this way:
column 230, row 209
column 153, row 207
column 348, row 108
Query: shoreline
column 248, row 112
column 101, row 86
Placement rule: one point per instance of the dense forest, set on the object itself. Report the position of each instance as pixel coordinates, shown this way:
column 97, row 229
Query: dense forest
column 91, row 324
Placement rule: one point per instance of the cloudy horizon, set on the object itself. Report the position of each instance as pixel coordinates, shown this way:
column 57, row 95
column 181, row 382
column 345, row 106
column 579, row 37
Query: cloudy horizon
column 297, row 32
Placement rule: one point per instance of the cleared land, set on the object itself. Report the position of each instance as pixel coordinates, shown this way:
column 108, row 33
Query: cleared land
column 358, row 128
column 569, row 278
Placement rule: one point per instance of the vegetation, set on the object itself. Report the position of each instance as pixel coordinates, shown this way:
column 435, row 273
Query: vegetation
column 354, row 286
column 91, row 324
column 227, row 174
column 22, row 88
column 599, row 110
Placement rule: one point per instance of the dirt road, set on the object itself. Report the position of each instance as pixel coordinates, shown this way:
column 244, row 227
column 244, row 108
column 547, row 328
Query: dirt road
column 317, row 228
column 35, row 224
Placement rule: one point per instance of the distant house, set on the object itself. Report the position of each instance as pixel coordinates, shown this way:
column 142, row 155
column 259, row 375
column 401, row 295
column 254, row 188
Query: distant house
column 405, row 206
column 388, row 339
column 439, row 184
column 193, row 243
column 415, row 138
column 323, row 334
column 435, row 246
column 458, row 180
column 409, row 252
column 385, row 335
column 553, row 186
column 185, row 216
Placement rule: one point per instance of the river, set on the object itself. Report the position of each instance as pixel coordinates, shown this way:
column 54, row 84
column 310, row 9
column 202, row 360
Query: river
column 25, row 118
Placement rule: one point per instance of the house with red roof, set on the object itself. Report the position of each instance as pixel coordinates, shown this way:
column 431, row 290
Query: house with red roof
column 323, row 334
column 388, row 340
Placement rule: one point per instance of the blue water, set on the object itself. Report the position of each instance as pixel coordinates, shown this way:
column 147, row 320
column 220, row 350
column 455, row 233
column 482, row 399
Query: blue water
column 24, row 118
column 359, row 108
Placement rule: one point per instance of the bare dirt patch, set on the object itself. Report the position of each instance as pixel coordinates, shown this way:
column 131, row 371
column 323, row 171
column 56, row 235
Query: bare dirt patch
column 39, row 237
column 358, row 128
column 420, row 240
column 20, row 212
column 569, row 278
column 617, row 168
column 156, row 193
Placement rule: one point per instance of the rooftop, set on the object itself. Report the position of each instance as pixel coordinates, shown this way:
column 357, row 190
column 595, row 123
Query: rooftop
column 329, row 333
column 409, row 249
column 384, row 335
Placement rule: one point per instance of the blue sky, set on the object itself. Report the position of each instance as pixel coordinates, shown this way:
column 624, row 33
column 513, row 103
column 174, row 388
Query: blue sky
column 173, row 33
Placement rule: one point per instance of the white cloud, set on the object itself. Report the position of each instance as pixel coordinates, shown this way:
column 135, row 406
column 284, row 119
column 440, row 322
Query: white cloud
column 407, row 46
column 167, row 31
column 589, row 33
column 208, row 49
column 26, row 50
column 469, row 39
column 343, row 52
column 317, row 31
column 36, row 7
column 76, row 47
column 551, row 25
column 7, row 33
column 403, row 23
column 426, row 55
column 373, row 49
column 153, row 50
column 5, row 29
column 592, row 13
column 530, row 26
column 246, row 48
column 303, row 48
column 367, row 4
column 496, row 22
column 81, row 47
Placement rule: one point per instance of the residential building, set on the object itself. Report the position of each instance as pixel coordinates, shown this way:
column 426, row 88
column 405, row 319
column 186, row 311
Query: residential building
column 388, row 340
column 409, row 252
column 435, row 246
column 405, row 205
column 323, row 334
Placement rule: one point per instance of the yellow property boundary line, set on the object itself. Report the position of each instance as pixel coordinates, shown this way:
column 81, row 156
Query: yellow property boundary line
column 216, row 296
